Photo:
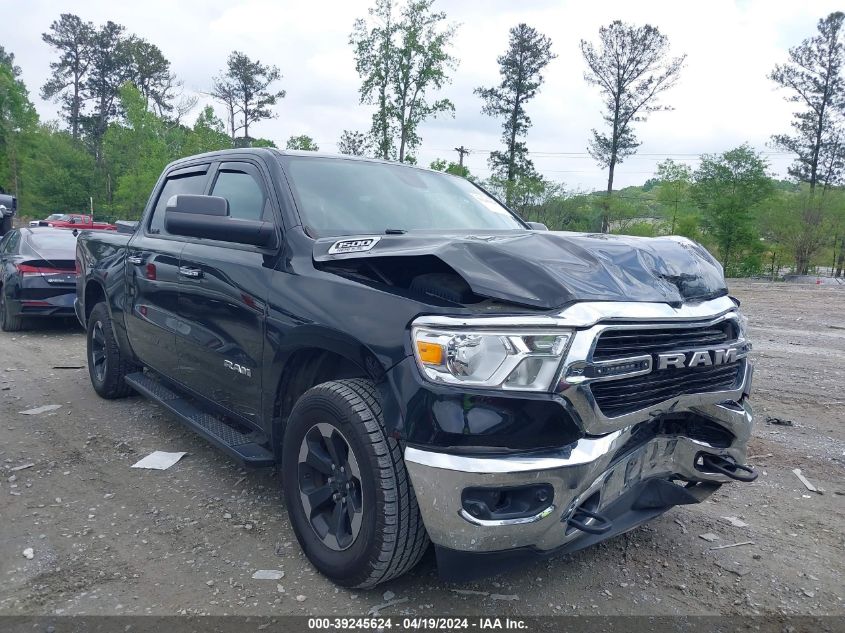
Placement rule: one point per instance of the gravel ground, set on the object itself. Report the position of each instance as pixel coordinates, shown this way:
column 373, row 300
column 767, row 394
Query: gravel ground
column 107, row 539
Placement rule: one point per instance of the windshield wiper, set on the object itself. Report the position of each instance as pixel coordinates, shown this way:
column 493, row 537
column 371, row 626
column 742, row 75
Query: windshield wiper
column 395, row 231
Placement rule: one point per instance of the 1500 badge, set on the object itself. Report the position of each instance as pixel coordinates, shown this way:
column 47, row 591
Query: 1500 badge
column 356, row 245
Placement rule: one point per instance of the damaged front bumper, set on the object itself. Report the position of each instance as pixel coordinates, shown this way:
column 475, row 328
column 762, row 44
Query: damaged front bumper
column 661, row 396
column 602, row 486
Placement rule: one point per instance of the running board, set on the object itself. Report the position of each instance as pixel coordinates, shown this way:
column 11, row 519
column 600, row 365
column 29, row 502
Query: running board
column 245, row 447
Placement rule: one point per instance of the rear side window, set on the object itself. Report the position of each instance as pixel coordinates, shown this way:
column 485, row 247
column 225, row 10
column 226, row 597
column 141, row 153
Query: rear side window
column 10, row 243
column 189, row 183
column 244, row 193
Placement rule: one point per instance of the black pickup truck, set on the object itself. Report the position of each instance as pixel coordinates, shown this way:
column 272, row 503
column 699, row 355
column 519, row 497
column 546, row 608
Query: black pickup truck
column 419, row 363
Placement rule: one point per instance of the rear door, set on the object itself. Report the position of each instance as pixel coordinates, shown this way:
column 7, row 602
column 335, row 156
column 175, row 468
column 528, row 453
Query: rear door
column 222, row 294
column 152, row 270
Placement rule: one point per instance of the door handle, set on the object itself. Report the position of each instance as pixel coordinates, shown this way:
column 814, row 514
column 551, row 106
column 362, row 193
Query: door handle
column 191, row 273
column 135, row 259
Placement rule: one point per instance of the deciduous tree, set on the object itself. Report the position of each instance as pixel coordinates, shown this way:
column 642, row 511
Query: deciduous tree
column 673, row 191
column 529, row 52
column 302, row 142
column 401, row 55
column 17, row 119
column 728, row 188
column 631, row 67
column 451, row 167
column 353, row 143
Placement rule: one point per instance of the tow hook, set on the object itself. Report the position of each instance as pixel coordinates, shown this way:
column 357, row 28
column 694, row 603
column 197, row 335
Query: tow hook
column 579, row 519
column 727, row 466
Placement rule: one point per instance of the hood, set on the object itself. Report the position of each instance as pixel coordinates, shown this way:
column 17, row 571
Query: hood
column 550, row 269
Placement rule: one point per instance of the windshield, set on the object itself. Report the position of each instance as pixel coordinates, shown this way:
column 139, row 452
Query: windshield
column 347, row 197
column 58, row 216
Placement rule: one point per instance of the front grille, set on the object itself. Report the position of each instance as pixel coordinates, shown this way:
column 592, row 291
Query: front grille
column 624, row 343
column 618, row 397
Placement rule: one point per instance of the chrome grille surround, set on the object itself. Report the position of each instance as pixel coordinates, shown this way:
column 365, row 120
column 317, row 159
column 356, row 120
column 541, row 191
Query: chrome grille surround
column 589, row 320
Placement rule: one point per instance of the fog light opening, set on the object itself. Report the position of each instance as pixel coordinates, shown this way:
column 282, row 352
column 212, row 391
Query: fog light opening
column 517, row 503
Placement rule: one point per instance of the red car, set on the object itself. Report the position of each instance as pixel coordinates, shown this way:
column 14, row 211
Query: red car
column 74, row 221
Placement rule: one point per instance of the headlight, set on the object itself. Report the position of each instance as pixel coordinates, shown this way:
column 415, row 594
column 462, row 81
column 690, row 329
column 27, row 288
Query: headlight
column 514, row 360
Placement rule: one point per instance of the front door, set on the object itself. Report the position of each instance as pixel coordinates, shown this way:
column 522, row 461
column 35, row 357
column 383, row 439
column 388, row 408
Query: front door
column 152, row 265
column 222, row 294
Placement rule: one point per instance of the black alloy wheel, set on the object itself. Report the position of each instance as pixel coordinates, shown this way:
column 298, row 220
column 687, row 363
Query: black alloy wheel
column 99, row 357
column 330, row 486
column 346, row 490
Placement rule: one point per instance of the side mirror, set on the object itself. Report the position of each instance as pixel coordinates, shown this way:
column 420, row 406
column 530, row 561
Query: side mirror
column 537, row 226
column 207, row 217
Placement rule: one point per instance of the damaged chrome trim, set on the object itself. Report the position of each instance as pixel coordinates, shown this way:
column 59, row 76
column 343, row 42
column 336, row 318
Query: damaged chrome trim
column 589, row 313
column 581, row 452
column 503, row 522
column 576, row 472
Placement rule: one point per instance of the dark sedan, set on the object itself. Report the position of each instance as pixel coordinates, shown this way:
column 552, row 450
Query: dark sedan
column 37, row 275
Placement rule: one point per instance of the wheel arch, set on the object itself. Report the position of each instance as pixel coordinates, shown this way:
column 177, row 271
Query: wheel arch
column 94, row 293
column 317, row 355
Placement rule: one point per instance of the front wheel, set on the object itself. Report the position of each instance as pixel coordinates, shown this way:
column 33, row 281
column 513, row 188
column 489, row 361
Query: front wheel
column 107, row 364
column 348, row 495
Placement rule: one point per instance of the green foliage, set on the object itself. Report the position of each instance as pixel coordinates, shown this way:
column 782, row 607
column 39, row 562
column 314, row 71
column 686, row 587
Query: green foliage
column 456, row 169
column 673, row 189
column 137, row 151
column 58, row 173
column 8, row 59
column 302, row 142
column 353, row 143
column 207, row 135
column 529, row 52
column 261, row 142
column 729, row 189
column 401, row 53
column 17, row 121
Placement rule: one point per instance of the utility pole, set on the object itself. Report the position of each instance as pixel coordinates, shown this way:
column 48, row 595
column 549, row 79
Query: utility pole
column 462, row 151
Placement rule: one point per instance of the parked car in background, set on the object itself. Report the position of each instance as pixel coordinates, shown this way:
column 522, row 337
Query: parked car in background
column 8, row 206
column 37, row 275
column 78, row 221
column 49, row 218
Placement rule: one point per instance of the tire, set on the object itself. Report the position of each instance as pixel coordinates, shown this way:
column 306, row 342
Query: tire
column 8, row 321
column 391, row 537
column 107, row 364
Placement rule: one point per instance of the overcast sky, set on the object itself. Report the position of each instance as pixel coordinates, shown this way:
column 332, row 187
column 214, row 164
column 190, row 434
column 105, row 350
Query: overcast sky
column 722, row 100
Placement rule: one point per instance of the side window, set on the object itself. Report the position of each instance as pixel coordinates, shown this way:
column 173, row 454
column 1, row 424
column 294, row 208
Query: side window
column 190, row 183
column 244, row 193
column 4, row 242
column 10, row 243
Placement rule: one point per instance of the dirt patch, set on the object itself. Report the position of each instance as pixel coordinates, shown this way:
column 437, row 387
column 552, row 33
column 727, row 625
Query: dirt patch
column 108, row 539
